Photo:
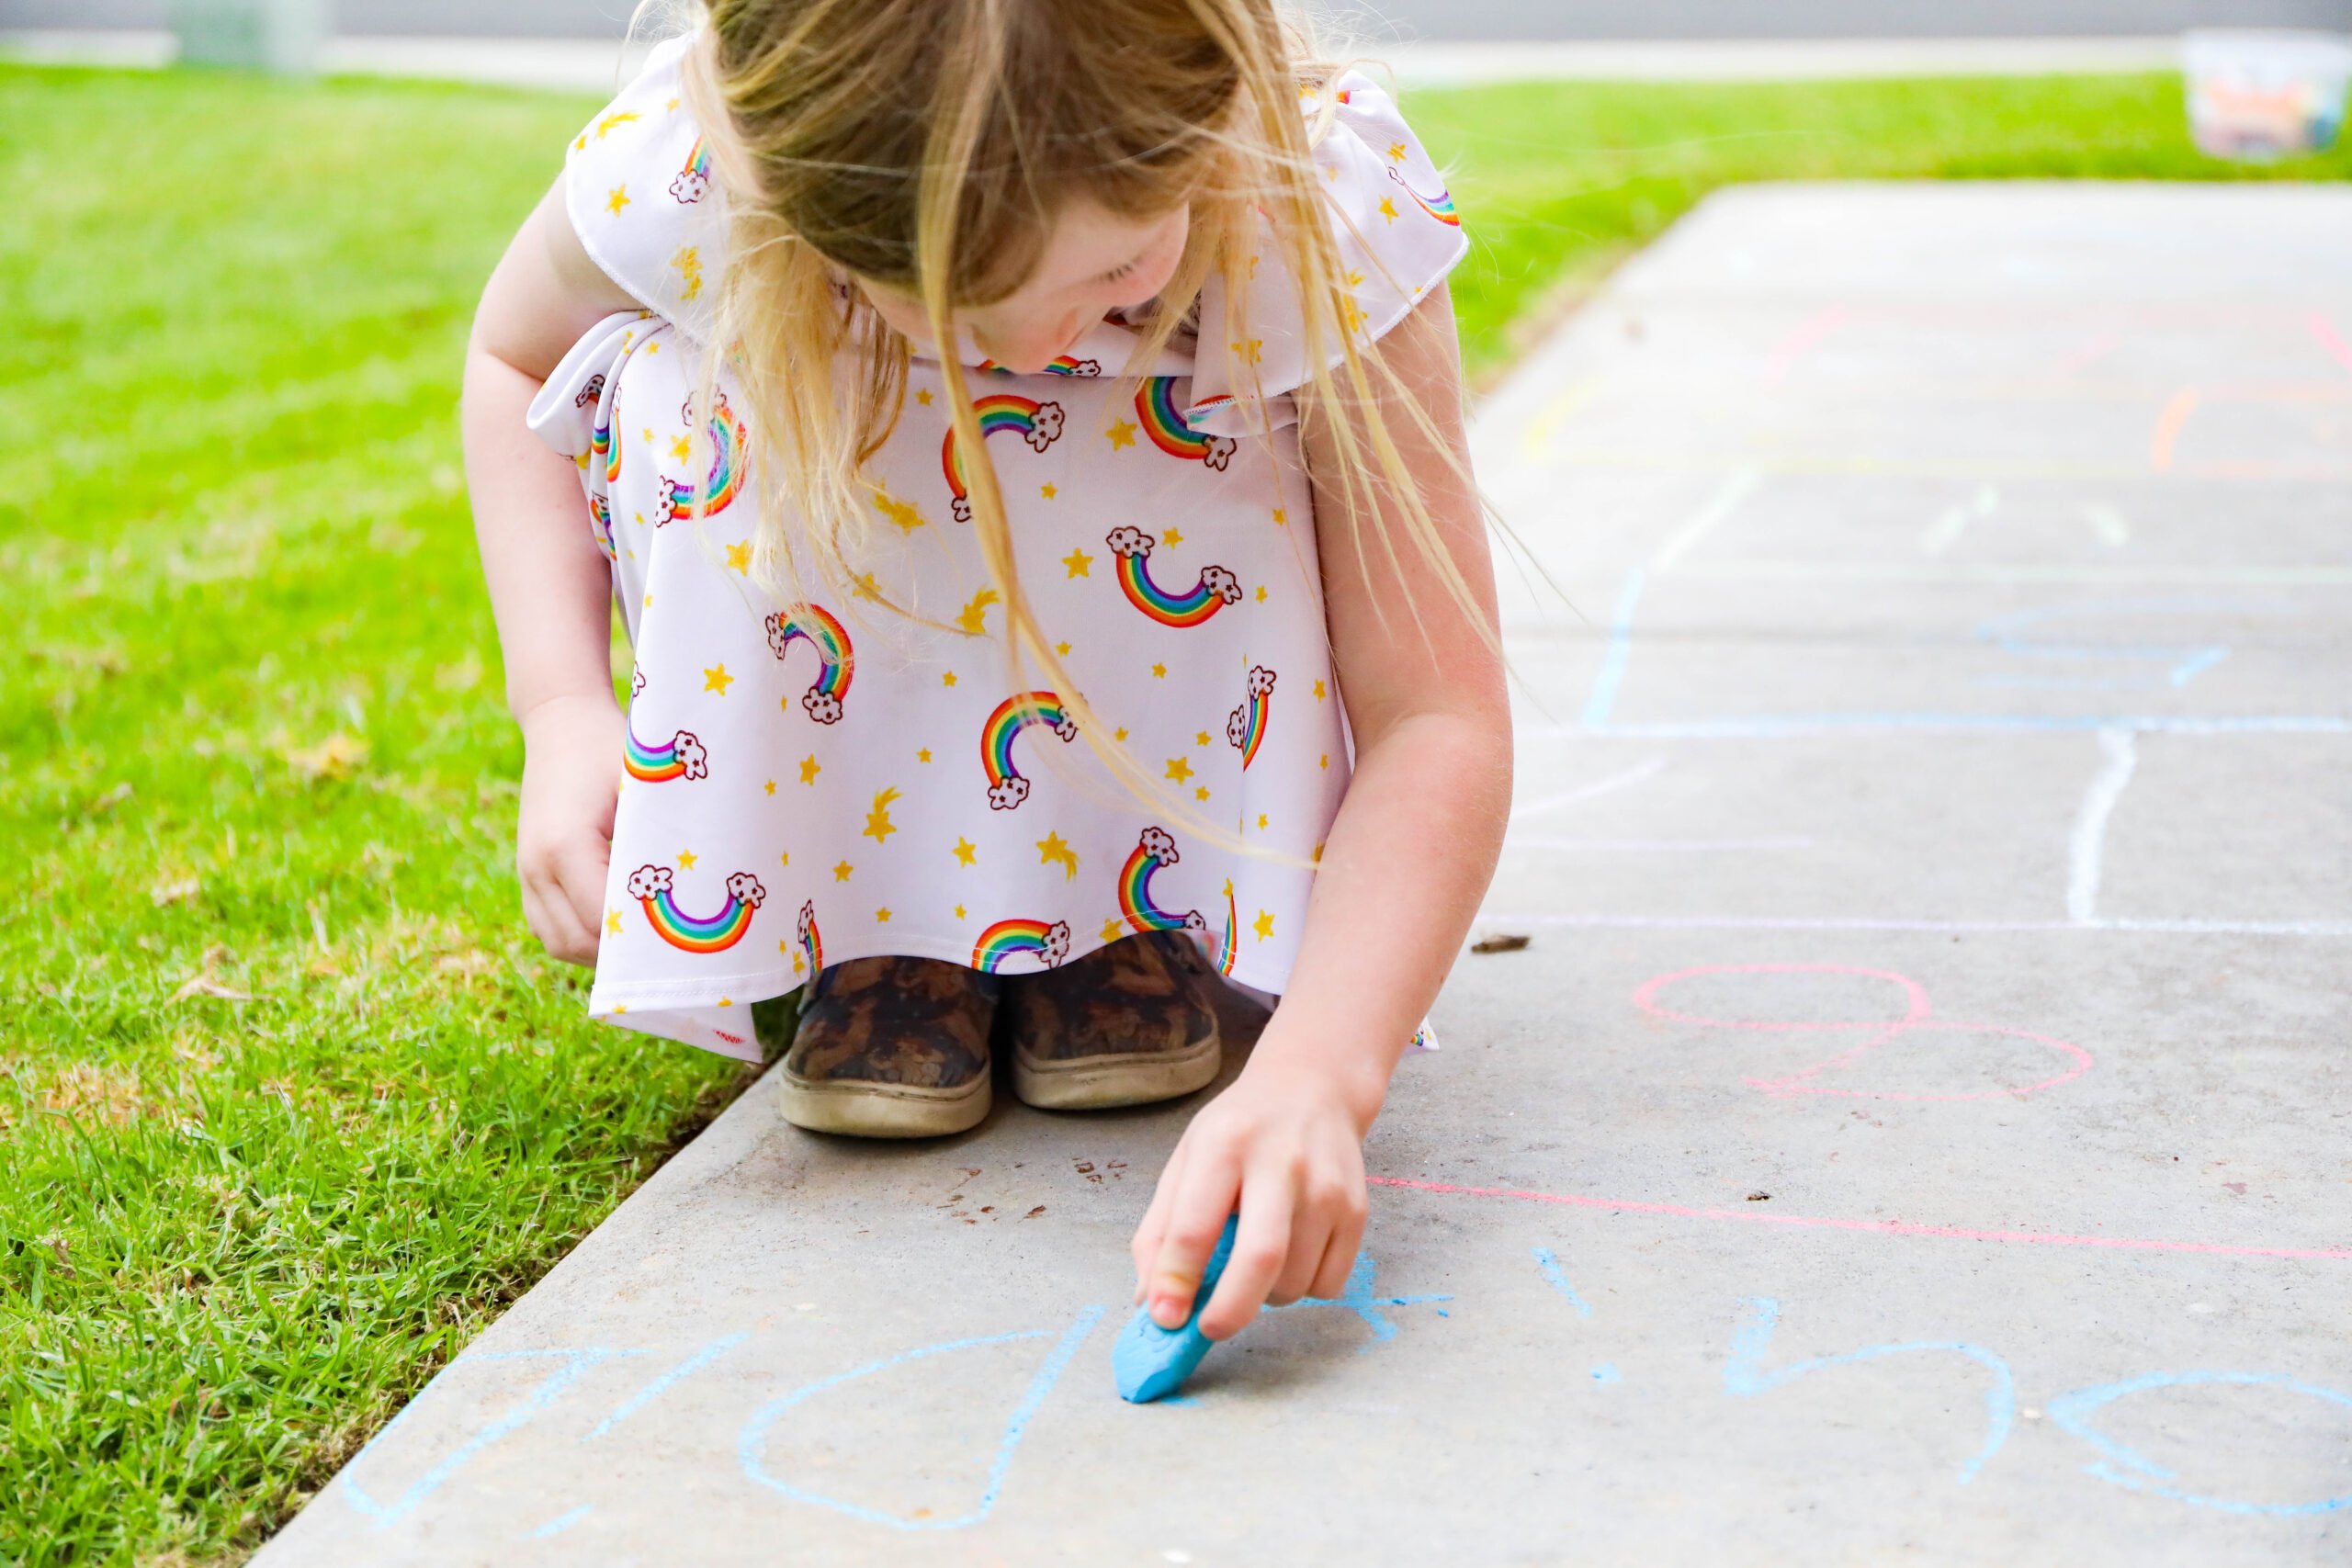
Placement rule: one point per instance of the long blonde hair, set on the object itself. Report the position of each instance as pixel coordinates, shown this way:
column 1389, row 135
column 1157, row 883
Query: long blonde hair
column 925, row 144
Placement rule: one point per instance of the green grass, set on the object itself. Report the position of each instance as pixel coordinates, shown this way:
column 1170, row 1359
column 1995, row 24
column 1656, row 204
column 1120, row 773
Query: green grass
column 252, row 742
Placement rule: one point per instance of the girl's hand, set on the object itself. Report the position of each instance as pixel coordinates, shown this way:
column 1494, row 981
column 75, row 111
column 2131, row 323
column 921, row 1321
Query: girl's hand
column 1283, row 1145
column 563, row 842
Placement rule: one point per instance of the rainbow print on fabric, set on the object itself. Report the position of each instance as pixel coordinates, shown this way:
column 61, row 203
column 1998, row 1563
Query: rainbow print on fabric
column 1164, row 423
column 816, row 626
column 1214, row 588
column 1246, row 727
column 602, row 448
column 812, row 942
column 1060, row 365
column 1007, row 788
column 1009, row 939
column 680, row 757
column 1039, row 424
column 1232, row 930
column 674, row 499
column 1155, row 848
column 1441, row 208
column 600, row 525
column 649, row 886
column 693, row 180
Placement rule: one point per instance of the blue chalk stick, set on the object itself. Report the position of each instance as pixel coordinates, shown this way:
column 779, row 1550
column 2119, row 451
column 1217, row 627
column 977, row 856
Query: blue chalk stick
column 1152, row 1362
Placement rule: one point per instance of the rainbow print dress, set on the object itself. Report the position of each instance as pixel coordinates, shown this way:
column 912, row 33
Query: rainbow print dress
column 807, row 783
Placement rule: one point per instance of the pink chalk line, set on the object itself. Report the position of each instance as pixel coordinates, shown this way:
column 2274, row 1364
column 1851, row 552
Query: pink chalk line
column 2323, row 331
column 1808, row 335
column 1879, row 1227
column 1917, row 1017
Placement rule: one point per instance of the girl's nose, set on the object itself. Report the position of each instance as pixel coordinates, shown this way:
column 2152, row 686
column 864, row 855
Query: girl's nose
column 1028, row 349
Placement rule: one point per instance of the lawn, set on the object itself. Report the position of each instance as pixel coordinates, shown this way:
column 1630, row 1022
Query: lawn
column 292, row 1106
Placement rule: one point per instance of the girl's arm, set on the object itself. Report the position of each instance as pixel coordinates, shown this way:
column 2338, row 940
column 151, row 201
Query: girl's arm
column 549, row 588
column 1407, row 861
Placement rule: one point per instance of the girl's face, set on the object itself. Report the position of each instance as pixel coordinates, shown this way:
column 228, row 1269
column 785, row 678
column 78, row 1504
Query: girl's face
column 1094, row 262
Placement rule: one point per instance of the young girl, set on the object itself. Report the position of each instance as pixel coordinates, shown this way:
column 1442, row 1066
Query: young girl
column 1144, row 634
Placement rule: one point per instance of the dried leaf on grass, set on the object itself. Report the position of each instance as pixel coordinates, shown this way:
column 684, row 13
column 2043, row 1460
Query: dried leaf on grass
column 172, row 892
column 338, row 757
column 204, row 986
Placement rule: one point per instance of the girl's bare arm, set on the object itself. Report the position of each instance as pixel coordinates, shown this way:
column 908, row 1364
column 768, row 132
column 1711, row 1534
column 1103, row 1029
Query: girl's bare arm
column 1406, row 863
column 549, row 588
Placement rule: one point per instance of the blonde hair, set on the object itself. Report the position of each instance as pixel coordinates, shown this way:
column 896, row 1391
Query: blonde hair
column 925, row 144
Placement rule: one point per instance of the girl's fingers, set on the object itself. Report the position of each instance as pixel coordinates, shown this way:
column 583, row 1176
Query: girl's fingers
column 1260, row 1246
column 1330, row 1279
column 1310, row 1239
column 582, row 870
column 555, row 921
column 1204, row 1196
column 1145, row 1247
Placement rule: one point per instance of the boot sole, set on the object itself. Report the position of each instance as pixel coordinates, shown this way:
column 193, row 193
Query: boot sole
column 1104, row 1083
column 860, row 1108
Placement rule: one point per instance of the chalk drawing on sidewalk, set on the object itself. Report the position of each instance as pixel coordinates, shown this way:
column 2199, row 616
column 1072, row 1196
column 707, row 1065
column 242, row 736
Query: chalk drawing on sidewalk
column 1918, row 1018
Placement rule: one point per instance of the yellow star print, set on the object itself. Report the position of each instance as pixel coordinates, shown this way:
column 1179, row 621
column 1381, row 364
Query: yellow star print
column 611, row 120
column 808, row 769
column 1263, row 925
column 973, row 618
column 1261, row 593
column 1388, row 209
column 1122, row 432
column 1171, row 537
column 959, row 911
column 1051, row 848
column 617, row 200
column 1179, row 769
column 902, row 513
column 1248, row 352
column 613, row 922
column 771, row 787
column 1159, row 671
column 683, row 448
column 1200, row 738
column 1080, row 563
column 883, row 916
column 1113, row 931
column 686, row 860
column 867, row 588
column 1261, row 821
column 878, row 826
column 716, row 679
column 1281, row 519
column 739, row 555
column 1048, row 491
column 948, row 678
column 841, row 872
column 965, row 849
column 923, row 755
column 1202, row 792
column 1396, row 152
column 1318, row 691
column 923, row 396
column 1120, row 733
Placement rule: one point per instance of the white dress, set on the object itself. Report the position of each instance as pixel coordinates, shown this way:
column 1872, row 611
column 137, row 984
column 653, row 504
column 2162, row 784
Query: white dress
column 801, row 791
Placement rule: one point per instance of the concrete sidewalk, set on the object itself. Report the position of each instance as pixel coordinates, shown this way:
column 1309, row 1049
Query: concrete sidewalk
column 593, row 65
column 1917, row 1130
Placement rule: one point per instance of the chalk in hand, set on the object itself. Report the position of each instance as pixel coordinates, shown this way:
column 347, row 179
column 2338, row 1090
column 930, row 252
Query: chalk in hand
column 1152, row 1362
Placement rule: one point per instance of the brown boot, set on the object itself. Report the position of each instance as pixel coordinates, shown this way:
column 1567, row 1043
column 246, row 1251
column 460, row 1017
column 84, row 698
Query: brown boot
column 891, row 1048
column 1128, row 1024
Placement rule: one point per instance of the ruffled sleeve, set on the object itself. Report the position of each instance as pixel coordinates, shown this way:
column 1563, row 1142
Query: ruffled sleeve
column 638, row 188
column 1398, row 237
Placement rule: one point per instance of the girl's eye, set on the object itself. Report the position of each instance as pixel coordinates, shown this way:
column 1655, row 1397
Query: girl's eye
column 1119, row 272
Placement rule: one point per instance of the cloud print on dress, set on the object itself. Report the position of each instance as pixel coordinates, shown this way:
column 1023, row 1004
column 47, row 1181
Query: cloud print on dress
column 1247, row 725
column 682, row 756
column 1214, row 588
column 1007, row 788
column 1039, row 424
